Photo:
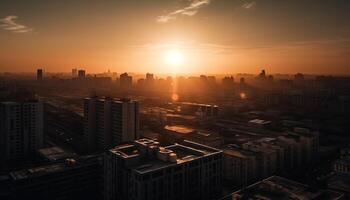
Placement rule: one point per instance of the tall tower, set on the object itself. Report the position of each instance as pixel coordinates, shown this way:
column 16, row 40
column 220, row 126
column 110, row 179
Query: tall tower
column 39, row 74
column 74, row 72
column 109, row 122
column 21, row 128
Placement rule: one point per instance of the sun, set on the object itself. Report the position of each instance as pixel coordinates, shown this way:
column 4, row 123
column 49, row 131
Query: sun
column 174, row 57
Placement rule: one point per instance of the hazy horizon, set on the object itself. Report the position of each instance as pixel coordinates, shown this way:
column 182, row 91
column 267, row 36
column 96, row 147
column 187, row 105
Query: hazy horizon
column 211, row 36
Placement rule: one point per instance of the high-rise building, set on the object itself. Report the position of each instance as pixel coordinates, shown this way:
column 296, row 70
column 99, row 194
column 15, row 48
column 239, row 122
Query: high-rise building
column 21, row 128
column 125, row 80
column 109, row 122
column 149, row 79
column 81, row 73
column 145, row 170
column 39, row 74
column 74, row 72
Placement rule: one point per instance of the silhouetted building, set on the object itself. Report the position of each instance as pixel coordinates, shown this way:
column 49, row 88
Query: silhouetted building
column 242, row 81
column 21, row 128
column 145, row 170
column 39, row 74
column 125, row 80
column 70, row 179
column 74, row 72
column 149, row 80
column 228, row 82
column 109, row 122
column 299, row 77
column 81, row 74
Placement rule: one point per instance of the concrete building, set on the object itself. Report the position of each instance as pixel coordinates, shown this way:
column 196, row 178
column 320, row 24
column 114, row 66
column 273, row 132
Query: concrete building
column 266, row 158
column 21, row 128
column 145, row 170
column 239, row 166
column 108, row 122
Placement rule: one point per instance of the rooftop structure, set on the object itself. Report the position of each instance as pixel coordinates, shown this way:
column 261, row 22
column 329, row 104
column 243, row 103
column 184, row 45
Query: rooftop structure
column 175, row 171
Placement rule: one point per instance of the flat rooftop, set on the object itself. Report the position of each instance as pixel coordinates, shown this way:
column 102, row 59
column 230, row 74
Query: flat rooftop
column 276, row 188
column 179, row 129
column 54, row 153
column 179, row 153
column 37, row 171
column 238, row 152
column 197, row 104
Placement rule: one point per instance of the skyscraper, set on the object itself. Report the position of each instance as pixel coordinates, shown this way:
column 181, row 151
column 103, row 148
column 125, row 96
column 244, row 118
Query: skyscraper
column 109, row 122
column 39, row 74
column 21, row 128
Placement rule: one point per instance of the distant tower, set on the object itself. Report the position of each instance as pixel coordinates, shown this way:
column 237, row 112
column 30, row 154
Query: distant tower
column 39, row 74
column 299, row 77
column 242, row 81
column 149, row 80
column 74, row 72
column 228, row 81
column 81, row 74
column 125, row 80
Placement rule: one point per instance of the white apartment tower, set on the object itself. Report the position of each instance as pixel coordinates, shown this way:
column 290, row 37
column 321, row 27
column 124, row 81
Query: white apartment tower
column 21, row 128
column 109, row 122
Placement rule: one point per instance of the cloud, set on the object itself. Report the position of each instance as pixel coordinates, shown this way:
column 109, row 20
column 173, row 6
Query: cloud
column 249, row 5
column 9, row 23
column 191, row 10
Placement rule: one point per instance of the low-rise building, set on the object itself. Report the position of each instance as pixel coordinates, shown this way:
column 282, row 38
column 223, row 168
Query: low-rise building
column 276, row 188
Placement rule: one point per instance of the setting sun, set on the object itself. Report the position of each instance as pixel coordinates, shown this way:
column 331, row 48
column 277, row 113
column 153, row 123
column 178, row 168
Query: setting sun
column 174, row 57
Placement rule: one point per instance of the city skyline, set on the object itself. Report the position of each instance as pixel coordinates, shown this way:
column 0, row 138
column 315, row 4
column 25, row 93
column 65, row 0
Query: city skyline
column 176, row 36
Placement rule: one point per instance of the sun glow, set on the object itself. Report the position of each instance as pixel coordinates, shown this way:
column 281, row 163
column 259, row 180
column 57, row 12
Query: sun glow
column 174, row 58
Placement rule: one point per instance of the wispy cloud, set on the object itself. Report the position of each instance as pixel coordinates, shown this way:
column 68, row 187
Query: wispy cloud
column 249, row 5
column 191, row 10
column 9, row 23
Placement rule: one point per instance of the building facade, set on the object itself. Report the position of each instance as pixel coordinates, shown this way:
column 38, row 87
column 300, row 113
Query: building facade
column 145, row 170
column 109, row 122
column 21, row 128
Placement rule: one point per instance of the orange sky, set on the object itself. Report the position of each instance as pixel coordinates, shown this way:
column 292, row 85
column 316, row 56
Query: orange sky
column 214, row 36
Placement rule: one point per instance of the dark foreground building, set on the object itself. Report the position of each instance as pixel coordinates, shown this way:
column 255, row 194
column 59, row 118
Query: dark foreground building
column 144, row 170
column 71, row 179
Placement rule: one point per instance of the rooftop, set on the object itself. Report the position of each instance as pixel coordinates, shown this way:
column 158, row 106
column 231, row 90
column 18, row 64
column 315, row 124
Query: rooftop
column 179, row 129
column 54, row 153
column 196, row 104
column 276, row 188
column 260, row 121
column 151, row 156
